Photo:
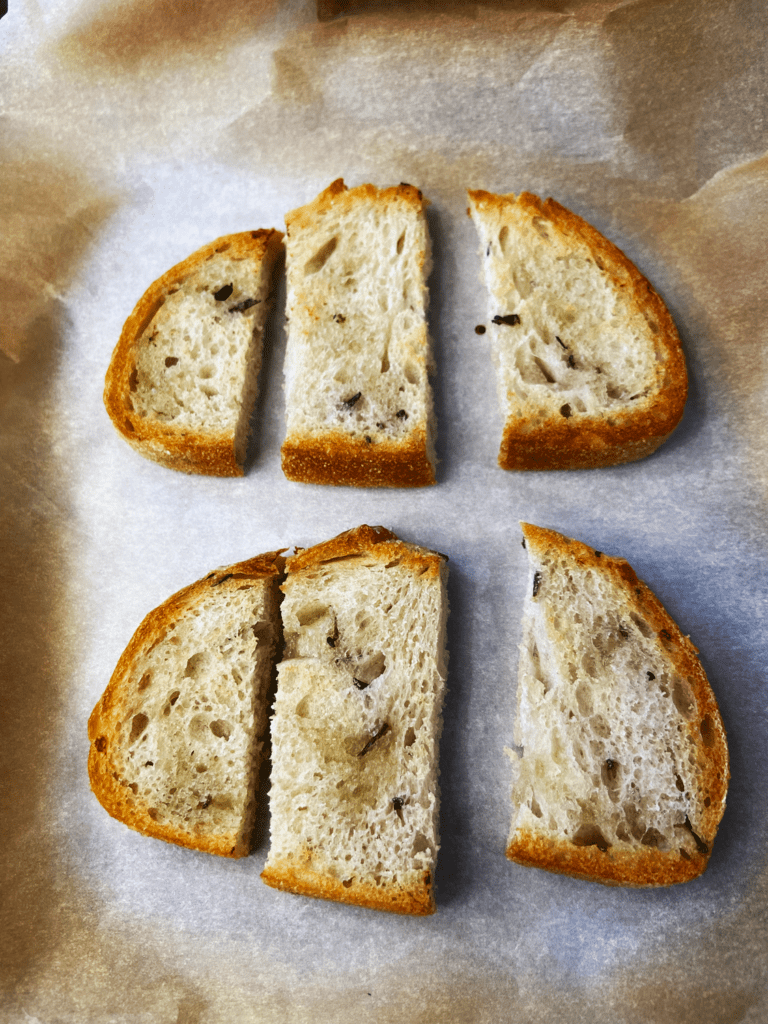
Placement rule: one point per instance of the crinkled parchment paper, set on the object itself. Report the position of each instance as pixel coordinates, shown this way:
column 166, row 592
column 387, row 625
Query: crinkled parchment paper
column 134, row 132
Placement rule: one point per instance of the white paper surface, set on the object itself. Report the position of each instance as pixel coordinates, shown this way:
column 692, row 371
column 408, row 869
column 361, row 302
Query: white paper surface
column 134, row 133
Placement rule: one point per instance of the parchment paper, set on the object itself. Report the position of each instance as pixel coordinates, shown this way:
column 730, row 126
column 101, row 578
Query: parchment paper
column 133, row 133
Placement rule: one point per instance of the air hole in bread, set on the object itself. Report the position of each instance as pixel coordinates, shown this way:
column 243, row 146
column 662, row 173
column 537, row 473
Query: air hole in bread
column 145, row 681
column 683, row 698
column 221, row 729
column 411, row 372
column 590, row 835
column 321, row 257
column 410, row 737
column 546, row 373
column 707, row 730
column 171, row 360
column 129, row 426
column 503, row 238
column 400, row 243
column 195, row 667
column 138, row 724
column 420, row 843
column 311, row 613
column 641, row 624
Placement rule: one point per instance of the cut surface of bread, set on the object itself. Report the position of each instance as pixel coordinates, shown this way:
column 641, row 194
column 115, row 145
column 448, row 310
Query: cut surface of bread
column 357, row 719
column 589, row 364
column 624, row 769
column 176, row 738
column 183, row 378
column 358, row 400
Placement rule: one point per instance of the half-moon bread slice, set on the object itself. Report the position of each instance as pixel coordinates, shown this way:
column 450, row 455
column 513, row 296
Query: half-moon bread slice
column 358, row 400
column 590, row 367
column 183, row 378
column 176, row 738
column 357, row 719
column 624, row 769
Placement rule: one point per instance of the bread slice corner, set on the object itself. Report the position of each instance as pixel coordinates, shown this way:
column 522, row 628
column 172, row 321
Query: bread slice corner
column 357, row 719
column 183, row 377
column 359, row 404
column 176, row 738
column 590, row 367
column 623, row 770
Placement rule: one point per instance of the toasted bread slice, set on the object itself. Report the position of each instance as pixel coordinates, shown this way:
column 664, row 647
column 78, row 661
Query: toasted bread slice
column 176, row 738
column 358, row 401
column 354, row 797
column 590, row 367
column 183, row 377
column 624, row 770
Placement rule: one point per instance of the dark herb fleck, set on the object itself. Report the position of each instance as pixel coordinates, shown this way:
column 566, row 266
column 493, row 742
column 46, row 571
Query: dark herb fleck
column 223, row 293
column 571, row 360
column 171, row 360
column 397, row 803
column 380, row 426
column 149, row 764
column 598, row 554
column 381, row 731
column 368, row 440
column 536, row 582
column 401, row 414
column 523, row 542
column 241, row 307
column 665, row 634
column 360, row 683
column 623, row 632
column 349, row 402
column 480, row 329
column 339, row 318
column 331, row 641
column 560, row 340
column 229, row 576
column 609, row 764
column 650, row 675
column 510, row 320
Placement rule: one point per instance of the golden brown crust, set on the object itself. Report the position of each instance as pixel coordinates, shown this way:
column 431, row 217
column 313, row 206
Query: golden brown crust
column 532, row 442
column 413, row 896
column 335, row 458
column 103, row 770
column 172, row 446
column 375, row 542
column 632, row 868
column 340, row 197
column 649, row 866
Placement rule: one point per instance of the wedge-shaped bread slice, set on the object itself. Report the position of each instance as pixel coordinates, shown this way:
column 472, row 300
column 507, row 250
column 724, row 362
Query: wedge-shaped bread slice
column 358, row 400
column 183, row 377
column 354, row 797
column 624, row 768
column 590, row 367
column 176, row 738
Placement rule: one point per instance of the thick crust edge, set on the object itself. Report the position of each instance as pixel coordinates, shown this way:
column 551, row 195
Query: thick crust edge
column 335, row 458
column 582, row 442
column 414, row 896
column 174, row 447
column 650, row 866
column 102, row 772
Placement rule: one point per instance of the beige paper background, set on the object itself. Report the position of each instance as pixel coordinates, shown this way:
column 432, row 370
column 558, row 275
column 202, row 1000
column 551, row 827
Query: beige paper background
column 133, row 133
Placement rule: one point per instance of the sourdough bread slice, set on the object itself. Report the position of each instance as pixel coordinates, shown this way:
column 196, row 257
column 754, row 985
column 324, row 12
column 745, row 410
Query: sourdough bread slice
column 357, row 719
column 183, row 377
column 624, row 770
column 176, row 738
column 358, row 400
column 590, row 367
